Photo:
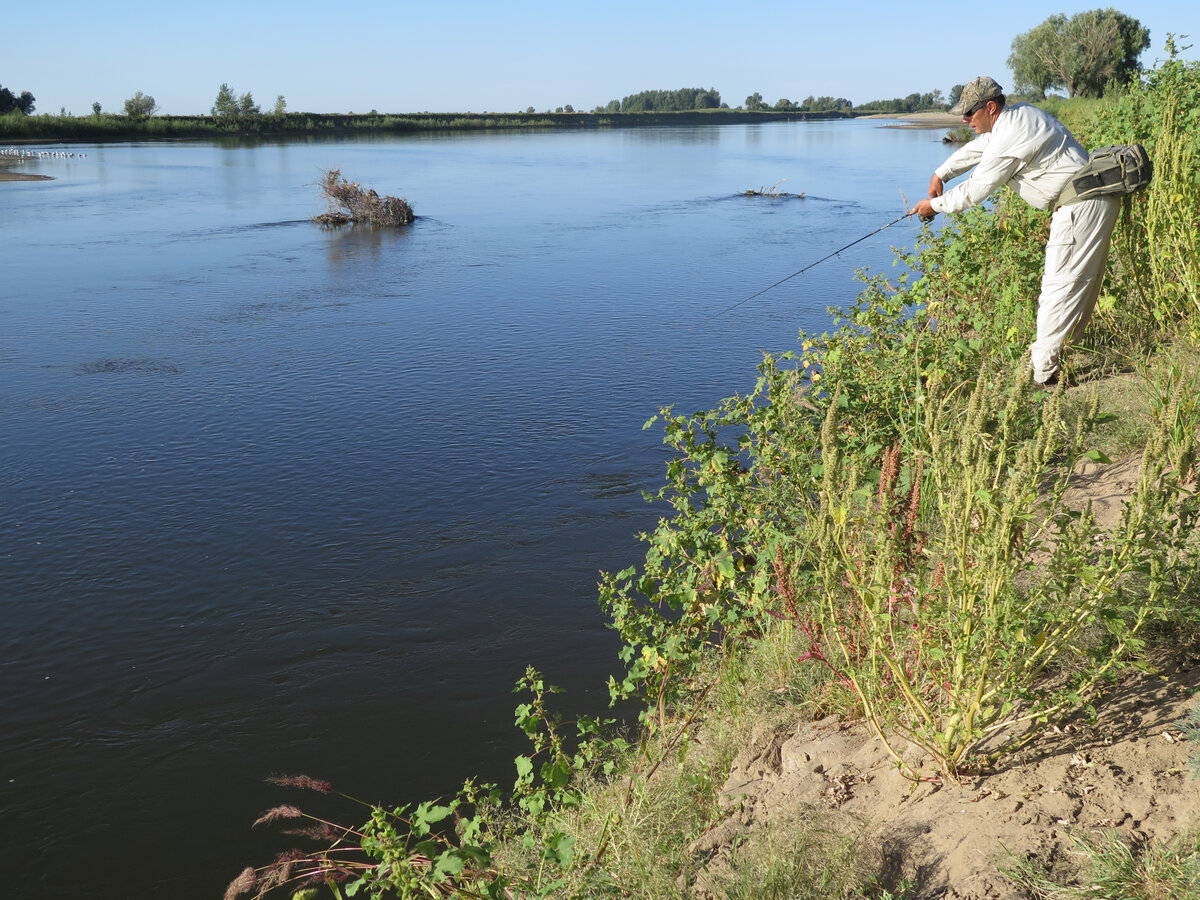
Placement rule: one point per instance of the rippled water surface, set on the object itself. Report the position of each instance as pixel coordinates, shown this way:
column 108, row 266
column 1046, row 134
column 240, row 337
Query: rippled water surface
column 276, row 498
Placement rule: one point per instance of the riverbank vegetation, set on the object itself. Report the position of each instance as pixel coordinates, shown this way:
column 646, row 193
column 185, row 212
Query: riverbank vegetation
column 875, row 531
column 234, row 114
column 283, row 124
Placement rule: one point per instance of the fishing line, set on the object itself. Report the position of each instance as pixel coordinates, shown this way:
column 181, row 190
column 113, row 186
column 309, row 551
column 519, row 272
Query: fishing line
column 836, row 252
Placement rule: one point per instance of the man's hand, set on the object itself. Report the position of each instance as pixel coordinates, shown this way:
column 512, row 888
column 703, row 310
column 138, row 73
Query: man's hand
column 935, row 186
column 925, row 210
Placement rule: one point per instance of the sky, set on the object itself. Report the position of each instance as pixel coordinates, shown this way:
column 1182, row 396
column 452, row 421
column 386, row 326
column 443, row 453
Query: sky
column 473, row 56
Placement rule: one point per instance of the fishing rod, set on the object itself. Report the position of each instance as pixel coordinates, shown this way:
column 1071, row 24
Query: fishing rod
column 811, row 265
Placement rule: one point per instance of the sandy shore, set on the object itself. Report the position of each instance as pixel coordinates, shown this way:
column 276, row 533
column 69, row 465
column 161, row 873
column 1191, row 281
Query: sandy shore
column 7, row 173
column 23, row 176
column 920, row 119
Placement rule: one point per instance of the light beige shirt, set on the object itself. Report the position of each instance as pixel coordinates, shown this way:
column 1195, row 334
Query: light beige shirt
column 1027, row 149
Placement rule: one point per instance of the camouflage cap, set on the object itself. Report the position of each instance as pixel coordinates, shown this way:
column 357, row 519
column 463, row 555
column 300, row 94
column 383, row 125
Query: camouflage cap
column 976, row 91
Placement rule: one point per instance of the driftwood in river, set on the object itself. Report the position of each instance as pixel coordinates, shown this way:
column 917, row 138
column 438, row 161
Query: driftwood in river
column 349, row 202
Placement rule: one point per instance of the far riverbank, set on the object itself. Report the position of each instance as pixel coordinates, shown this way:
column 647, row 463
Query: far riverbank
column 107, row 128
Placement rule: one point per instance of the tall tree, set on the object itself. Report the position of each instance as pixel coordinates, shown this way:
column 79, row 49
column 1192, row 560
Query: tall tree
column 9, row 102
column 1082, row 54
column 247, row 108
column 140, row 106
column 1033, row 58
column 225, row 108
column 229, row 108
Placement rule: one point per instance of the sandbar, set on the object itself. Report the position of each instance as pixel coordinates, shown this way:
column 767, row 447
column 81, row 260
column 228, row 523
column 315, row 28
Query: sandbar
column 24, row 176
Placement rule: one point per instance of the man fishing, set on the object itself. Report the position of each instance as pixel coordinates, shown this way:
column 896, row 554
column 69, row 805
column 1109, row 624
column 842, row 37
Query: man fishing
column 1035, row 154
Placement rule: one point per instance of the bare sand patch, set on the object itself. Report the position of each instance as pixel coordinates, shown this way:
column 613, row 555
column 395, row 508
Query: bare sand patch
column 1127, row 773
column 8, row 172
column 919, row 119
column 23, row 176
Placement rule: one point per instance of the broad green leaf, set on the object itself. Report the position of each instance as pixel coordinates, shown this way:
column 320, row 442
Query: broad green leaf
column 449, row 863
column 524, row 768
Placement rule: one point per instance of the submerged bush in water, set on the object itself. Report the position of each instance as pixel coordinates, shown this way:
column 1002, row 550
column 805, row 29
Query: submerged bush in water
column 350, row 202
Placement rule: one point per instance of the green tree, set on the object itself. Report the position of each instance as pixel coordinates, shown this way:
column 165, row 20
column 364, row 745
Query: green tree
column 1082, row 54
column 672, row 101
column 1033, row 58
column 96, row 108
column 247, row 108
column 22, row 103
column 755, row 101
column 230, row 109
column 1107, row 45
column 280, row 107
column 225, row 109
column 140, row 106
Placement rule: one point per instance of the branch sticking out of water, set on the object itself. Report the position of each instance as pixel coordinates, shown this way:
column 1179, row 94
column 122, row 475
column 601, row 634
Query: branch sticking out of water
column 350, row 202
column 771, row 192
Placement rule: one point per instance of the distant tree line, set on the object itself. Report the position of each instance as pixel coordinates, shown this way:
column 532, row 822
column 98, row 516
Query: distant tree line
column 911, row 103
column 814, row 104
column 682, row 100
column 934, row 99
column 9, row 102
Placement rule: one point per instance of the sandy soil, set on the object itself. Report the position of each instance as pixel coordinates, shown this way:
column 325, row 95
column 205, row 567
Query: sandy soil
column 23, row 176
column 9, row 172
column 1125, row 773
column 919, row 120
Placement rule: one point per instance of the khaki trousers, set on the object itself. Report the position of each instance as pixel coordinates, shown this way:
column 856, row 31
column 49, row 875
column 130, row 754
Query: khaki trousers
column 1075, row 258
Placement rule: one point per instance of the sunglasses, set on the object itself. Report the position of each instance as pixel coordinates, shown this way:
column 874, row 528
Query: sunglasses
column 974, row 109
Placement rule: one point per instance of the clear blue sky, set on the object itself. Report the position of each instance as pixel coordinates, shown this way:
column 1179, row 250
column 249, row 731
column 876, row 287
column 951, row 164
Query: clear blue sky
column 466, row 55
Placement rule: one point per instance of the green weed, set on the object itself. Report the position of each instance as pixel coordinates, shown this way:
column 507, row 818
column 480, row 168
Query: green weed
column 919, row 595
column 1113, row 869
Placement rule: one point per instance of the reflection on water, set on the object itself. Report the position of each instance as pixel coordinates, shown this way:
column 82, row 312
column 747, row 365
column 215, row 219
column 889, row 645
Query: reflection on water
column 284, row 498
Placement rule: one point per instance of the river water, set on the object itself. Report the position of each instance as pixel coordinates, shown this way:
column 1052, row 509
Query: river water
column 276, row 498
